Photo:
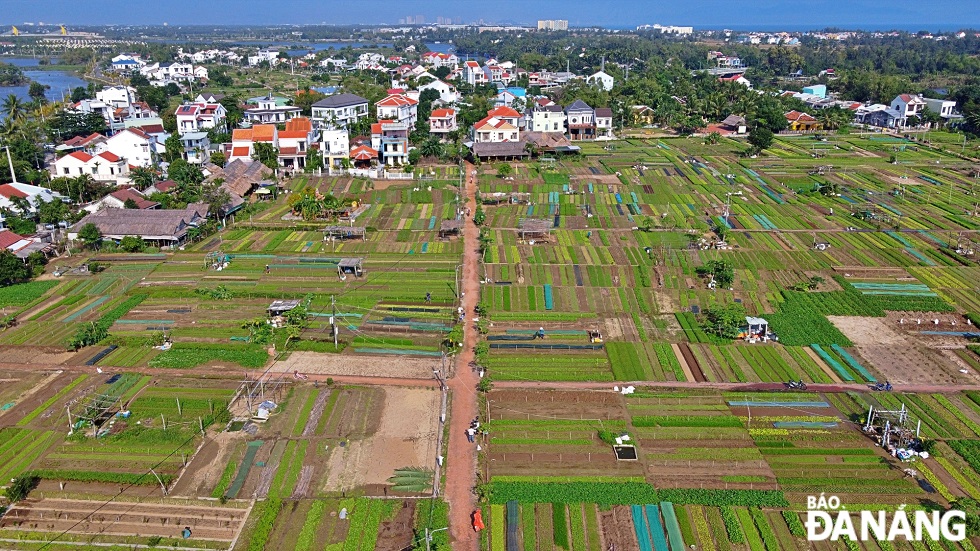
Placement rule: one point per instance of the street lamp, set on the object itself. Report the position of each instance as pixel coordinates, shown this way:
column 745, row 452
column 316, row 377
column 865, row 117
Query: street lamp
column 428, row 535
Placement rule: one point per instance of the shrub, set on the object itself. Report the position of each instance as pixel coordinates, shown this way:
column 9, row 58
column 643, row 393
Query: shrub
column 21, row 486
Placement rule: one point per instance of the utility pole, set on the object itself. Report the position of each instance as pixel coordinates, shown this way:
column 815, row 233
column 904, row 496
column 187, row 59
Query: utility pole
column 333, row 320
column 10, row 161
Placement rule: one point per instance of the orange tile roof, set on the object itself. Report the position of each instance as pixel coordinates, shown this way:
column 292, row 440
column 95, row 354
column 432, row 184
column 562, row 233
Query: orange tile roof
column 109, row 156
column 504, row 111
column 239, row 152
column 442, row 113
column 297, row 124
column 494, row 122
column 241, row 135
column 363, row 153
column 263, row 133
column 396, row 100
column 294, row 134
column 376, row 127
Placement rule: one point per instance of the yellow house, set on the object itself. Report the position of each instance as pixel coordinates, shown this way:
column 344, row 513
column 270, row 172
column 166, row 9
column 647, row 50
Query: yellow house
column 801, row 122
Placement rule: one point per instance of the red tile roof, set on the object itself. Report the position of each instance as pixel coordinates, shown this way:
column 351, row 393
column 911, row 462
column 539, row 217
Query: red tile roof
column 796, row 116
column 239, row 152
column 81, row 156
column 8, row 191
column 443, row 113
column 152, row 128
column 109, row 156
column 165, row 185
column 139, row 133
column 124, row 194
column 8, row 238
column 241, row 135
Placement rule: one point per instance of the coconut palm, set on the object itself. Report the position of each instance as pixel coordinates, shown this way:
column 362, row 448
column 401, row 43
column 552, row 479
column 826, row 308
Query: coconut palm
column 12, row 107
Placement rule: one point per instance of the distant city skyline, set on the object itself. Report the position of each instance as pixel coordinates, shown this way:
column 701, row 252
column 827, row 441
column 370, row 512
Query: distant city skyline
column 760, row 14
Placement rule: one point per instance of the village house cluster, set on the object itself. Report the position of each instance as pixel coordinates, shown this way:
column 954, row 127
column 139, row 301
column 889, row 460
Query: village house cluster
column 523, row 122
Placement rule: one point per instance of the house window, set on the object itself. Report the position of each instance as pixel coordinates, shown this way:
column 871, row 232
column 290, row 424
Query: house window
column 95, row 170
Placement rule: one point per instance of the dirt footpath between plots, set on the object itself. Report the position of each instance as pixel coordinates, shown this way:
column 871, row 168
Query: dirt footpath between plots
column 406, row 437
column 314, row 363
column 207, row 522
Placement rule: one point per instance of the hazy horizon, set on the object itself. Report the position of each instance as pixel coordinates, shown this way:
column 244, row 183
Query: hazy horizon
column 704, row 14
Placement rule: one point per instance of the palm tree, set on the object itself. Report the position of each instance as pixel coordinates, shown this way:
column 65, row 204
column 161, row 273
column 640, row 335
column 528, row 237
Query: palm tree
column 13, row 107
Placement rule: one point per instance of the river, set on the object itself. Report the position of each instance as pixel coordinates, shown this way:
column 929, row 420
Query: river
column 60, row 82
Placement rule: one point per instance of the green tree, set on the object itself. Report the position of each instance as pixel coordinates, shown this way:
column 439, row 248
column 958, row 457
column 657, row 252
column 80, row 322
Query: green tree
column 314, row 160
column 721, row 270
column 12, row 107
column 218, row 158
column 90, row 235
column 21, row 486
column 725, row 320
column 431, row 148
column 185, row 173
column 132, row 244
column 174, row 148
column 143, row 177
column 78, row 94
column 504, row 170
column 216, row 197
column 52, row 212
column 36, row 92
column 266, row 154
column 761, row 137
column 12, row 269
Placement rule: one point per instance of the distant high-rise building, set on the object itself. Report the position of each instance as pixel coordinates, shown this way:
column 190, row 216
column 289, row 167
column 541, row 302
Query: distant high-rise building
column 419, row 19
column 552, row 25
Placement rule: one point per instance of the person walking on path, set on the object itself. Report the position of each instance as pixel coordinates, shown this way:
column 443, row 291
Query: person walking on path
column 471, row 434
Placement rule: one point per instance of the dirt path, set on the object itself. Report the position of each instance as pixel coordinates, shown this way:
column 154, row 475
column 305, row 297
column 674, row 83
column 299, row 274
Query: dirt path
column 461, row 466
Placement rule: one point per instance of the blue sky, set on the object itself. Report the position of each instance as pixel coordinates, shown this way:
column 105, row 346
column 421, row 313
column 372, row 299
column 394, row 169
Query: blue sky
column 794, row 14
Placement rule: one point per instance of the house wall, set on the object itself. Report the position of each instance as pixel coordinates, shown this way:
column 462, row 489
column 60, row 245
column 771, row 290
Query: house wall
column 134, row 149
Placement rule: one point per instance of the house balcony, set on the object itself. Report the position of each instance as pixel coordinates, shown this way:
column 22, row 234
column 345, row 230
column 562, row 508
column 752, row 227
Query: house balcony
column 442, row 128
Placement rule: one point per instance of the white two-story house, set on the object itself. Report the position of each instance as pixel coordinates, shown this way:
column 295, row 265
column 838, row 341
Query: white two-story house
column 547, row 118
column 399, row 108
column 104, row 167
column 334, row 146
column 908, row 105
column 340, row 110
column 199, row 117
column 442, row 122
column 133, row 145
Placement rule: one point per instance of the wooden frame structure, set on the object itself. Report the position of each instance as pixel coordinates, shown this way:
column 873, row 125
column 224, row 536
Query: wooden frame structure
column 534, row 227
column 350, row 266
